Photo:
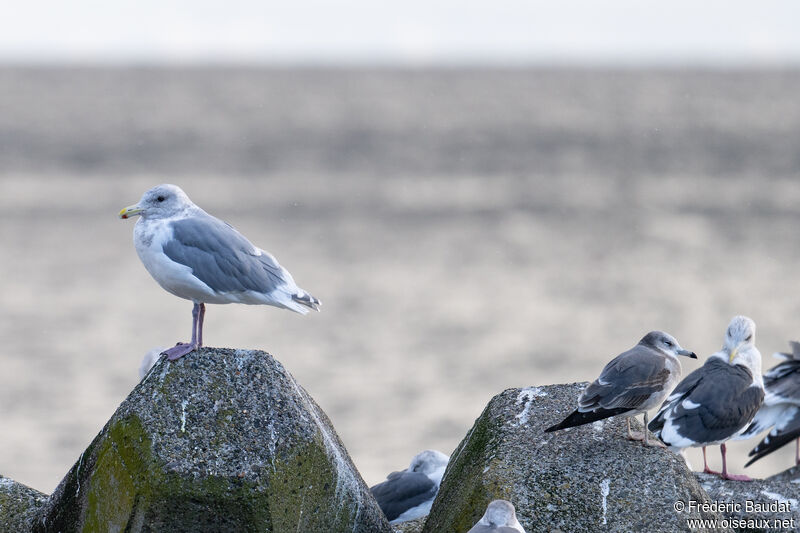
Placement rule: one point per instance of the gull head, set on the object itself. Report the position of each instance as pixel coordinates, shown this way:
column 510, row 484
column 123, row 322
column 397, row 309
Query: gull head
column 740, row 343
column 162, row 201
column 499, row 513
column 665, row 343
column 432, row 463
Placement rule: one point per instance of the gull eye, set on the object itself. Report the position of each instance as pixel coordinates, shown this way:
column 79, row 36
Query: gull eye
column 748, row 338
column 160, row 199
column 668, row 343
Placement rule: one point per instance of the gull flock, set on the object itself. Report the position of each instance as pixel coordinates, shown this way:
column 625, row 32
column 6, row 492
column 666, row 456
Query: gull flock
column 198, row 257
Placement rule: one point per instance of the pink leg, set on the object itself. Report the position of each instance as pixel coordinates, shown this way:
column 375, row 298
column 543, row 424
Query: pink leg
column 725, row 474
column 200, row 324
column 181, row 349
column 706, row 469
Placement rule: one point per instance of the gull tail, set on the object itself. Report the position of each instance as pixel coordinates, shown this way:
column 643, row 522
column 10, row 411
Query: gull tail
column 578, row 418
column 303, row 298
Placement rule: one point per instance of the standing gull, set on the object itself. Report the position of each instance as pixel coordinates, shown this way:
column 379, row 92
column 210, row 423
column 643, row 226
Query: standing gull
column 500, row 517
column 781, row 407
column 632, row 383
column 409, row 494
column 198, row 257
column 716, row 402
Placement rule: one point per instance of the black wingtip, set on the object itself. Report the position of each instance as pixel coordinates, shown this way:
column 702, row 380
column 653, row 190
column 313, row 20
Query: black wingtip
column 754, row 459
column 579, row 418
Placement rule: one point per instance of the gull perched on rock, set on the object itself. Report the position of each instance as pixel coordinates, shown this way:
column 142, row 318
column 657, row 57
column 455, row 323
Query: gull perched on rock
column 198, row 257
column 633, row 382
column 716, row 402
column 500, row 517
column 781, row 407
column 409, row 494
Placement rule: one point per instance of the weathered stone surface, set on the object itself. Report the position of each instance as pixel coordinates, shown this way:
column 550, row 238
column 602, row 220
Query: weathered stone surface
column 19, row 505
column 220, row 440
column 762, row 505
column 791, row 474
column 589, row 478
column 412, row 526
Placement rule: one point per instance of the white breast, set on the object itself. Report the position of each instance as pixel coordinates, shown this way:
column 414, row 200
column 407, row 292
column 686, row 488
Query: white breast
column 149, row 237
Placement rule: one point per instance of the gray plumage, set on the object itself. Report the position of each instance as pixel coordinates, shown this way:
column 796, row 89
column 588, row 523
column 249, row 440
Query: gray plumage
column 221, row 257
column 710, row 405
column 633, row 382
column 409, row 494
column 781, row 408
column 402, row 491
column 196, row 256
column 716, row 402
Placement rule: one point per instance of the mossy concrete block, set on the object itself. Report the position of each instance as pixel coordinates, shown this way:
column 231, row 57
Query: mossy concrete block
column 19, row 505
column 764, row 505
column 585, row 479
column 220, row 440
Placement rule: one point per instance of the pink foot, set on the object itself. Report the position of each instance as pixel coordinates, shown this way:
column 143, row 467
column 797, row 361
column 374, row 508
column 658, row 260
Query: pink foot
column 179, row 350
column 707, row 470
column 635, row 435
column 736, row 477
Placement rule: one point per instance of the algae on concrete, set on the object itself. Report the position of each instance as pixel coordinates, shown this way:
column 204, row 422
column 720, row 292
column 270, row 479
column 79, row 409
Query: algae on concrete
column 586, row 479
column 221, row 440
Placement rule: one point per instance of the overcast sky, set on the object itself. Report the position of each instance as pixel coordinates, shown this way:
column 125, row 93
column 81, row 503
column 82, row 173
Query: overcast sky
column 405, row 32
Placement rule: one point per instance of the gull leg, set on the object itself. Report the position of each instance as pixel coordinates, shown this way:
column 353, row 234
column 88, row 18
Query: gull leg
column 181, row 349
column 706, row 469
column 647, row 442
column 633, row 435
column 797, row 452
column 725, row 474
column 200, row 324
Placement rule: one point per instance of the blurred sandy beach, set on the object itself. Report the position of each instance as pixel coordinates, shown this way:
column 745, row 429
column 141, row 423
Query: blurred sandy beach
column 467, row 231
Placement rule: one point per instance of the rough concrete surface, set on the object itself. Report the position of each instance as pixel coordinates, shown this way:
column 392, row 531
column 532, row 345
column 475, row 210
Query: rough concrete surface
column 589, row 478
column 221, row 440
column 764, row 505
column 19, row 505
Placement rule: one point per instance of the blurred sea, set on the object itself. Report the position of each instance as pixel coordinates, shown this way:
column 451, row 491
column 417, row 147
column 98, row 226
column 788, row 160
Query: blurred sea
column 467, row 230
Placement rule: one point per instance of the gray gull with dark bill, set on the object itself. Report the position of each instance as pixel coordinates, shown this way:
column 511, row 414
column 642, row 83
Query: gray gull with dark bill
column 781, row 407
column 633, row 382
column 409, row 494
column 500, row 517
column 716, row 402
column 198, row 257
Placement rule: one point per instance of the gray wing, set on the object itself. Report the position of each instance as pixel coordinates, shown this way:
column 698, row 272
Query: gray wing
column 786, row 430
column 782, row 382
column 712, row 403
column 221, row 257
column 402, row 491
column 628, row 381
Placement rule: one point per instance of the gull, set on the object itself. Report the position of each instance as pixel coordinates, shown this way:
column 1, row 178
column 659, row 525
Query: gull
column 632, row 383
column 781, row 407
column 409, row 494
column 500, row 517
column 196, row 256
column 716, row 402
column 148, row 361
